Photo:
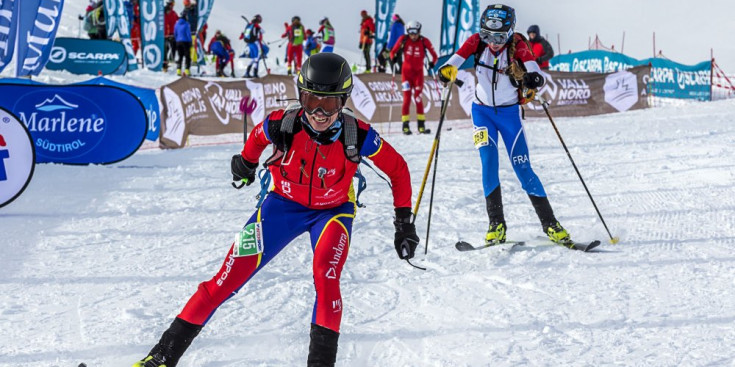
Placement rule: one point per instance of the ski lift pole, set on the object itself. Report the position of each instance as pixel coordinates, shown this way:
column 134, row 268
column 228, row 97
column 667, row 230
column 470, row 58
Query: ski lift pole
column 433, row 157
column 545, row 105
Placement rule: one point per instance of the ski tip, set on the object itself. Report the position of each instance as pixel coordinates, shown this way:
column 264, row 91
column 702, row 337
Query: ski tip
column 463, row 246
column 591, row 245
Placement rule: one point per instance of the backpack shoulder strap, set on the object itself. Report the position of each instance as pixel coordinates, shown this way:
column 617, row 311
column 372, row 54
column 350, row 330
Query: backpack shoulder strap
column 281, row 133
column 350, row 136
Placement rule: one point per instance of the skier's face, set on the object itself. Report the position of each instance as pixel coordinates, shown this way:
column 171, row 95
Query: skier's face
column 495, row 47
column 413, row 36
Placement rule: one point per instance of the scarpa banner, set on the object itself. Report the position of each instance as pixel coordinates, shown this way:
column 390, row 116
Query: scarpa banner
column 468, row 21
column 198, row 107
column 17, row 157
column 37, row 25
column 78, row 124
column 669, row 79
column 86, row 56
column 9, row 10
column 383, row 13
column 146, row 96
column 151, row 25
column 448, row 27
column 116, row 18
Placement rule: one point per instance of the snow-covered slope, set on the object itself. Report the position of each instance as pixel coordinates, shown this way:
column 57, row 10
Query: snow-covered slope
column 97, row 260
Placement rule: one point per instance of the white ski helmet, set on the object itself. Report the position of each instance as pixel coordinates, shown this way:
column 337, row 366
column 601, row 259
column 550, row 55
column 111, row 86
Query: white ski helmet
column 413, row 27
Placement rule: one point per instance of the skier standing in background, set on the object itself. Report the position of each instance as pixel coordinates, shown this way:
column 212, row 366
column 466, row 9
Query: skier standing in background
column 413, row 47
column 540, row 47
column 317, row 148
column 397, row 29
column 255, row 49
column 182, row 34
column 325, row 34
column 310, row 44
column 295, row 34
column 367, row 33
column 507, row 76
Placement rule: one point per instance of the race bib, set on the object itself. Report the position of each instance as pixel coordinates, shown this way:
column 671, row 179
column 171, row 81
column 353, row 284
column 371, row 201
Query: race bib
column 480, row 137
column 249, row 241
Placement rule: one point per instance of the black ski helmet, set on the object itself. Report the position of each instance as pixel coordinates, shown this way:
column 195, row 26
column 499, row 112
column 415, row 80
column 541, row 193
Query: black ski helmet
column 326, row 74
column 496, row 19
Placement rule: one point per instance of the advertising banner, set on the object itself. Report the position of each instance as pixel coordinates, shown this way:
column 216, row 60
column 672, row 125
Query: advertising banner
column 151, row 27
column 78, row 124
column 585, row 94
column 116, row 17
column 37, row 25
column 383, row 13
column 9, row 14
column 145, row 95
column 17, row 157
column 86, row 56
column 198, row 107
column 669, row 79
column 468, row 21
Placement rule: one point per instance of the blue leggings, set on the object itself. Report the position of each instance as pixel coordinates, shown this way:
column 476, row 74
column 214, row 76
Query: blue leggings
column 488, row 121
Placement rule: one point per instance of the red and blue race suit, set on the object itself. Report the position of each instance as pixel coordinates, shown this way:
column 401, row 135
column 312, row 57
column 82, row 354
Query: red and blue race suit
column 313, row 194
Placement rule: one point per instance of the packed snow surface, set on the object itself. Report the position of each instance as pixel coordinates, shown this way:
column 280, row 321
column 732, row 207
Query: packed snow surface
column 97, row 260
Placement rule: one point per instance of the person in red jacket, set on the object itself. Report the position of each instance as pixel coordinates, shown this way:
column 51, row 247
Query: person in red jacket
column 412, row 46
column 540, row 47
column 367, row 33
column 169, row 22
column 317, row 146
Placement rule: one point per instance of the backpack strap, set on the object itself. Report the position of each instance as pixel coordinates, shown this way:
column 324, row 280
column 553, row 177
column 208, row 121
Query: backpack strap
column 281, row 133
column 350, row 136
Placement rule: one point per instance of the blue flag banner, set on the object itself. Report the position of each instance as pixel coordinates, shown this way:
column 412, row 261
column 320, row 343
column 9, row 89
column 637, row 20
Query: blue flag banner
column 78, row 124
column 8, row 29
column 468, row 21
column 448, row 27
column 37, row 25
column 668, row 79
column 145, row 95
column 116, row 17
column 85, row 56
column 151, row 25
column 204, row 7
column 383, row 13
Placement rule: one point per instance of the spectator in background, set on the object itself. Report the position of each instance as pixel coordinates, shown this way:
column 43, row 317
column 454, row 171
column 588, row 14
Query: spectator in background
column 397, row 29
column 310, row 45
column 169, row 22
column 191, row 15
column 94, row 20
column 295, row 33
column 540, row 47
column 325, row 35
column 133, row 10
column 182, row 34
column 367, row 33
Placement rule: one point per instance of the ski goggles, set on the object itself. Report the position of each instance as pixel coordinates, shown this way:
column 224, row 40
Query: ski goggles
column 329, row 105
column 412, row 31
column 497, row 38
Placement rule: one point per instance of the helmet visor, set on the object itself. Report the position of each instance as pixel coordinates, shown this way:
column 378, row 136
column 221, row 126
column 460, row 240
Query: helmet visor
column 329, row 105
column 498, row 38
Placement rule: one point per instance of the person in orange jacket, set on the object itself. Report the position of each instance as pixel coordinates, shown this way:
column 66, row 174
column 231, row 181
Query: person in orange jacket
column 413, row 47
column 367, row 33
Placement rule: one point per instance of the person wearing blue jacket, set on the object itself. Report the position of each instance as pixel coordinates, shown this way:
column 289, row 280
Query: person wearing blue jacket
column 182, row 34
column 218, row 48
column 397, row 29
column 310, row 45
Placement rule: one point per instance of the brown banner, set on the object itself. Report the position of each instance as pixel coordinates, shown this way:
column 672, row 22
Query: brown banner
column 198, row 107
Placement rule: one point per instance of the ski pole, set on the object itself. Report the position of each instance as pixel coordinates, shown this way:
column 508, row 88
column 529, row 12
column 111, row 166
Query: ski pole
column 434, row 156
column 394, row 91
column 545, row 104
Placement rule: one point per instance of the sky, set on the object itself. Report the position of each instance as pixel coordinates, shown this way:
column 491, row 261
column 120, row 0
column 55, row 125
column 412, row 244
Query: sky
column 681, row 35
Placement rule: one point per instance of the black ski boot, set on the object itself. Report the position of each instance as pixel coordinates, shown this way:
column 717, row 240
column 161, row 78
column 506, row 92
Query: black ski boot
column 247, row 72
column 323, row 347
column 496, row 230
column 172, row 345
column 406, row 129
column 549, row 224
column 422, row 128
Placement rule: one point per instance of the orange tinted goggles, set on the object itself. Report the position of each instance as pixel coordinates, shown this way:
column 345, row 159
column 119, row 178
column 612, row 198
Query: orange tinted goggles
column 329, row 105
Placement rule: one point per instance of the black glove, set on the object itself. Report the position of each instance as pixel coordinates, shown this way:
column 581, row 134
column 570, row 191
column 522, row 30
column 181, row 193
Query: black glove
column 533, row 80
column 431, row 65
column 406, row 239
column 243, row 170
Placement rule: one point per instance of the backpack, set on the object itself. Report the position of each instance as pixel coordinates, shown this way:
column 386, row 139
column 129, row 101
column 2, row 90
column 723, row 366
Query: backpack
column 250, row 35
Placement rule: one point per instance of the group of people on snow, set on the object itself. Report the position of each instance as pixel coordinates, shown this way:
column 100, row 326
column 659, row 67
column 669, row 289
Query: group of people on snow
column 317, row 146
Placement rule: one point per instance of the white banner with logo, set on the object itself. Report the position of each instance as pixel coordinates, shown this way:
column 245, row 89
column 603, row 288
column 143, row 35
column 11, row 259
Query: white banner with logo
column 17, row 157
